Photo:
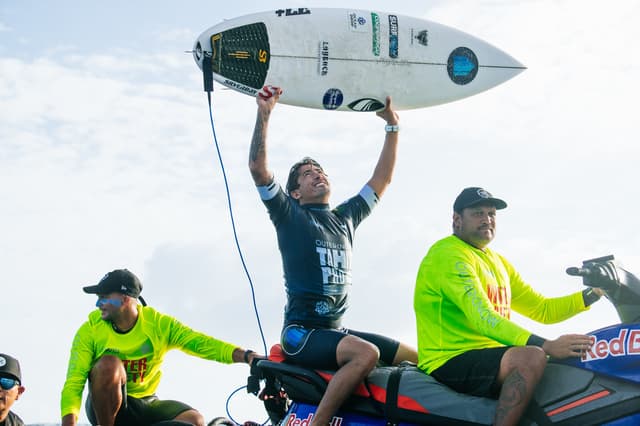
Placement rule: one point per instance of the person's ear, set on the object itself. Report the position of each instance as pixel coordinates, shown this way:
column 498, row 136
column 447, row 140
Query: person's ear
column 457, row 218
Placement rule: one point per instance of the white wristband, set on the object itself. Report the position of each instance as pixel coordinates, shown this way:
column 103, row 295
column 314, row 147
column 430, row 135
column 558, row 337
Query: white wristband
column 391, row 128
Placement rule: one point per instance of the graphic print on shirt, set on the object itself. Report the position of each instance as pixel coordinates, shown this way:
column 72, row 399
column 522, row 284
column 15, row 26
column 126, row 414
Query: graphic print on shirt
column 334, row 263
column 135, row 362
column 499, row 296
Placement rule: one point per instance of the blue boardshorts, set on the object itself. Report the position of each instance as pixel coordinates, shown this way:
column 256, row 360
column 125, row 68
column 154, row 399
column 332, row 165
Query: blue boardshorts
column 474, row 372
column 316, row 347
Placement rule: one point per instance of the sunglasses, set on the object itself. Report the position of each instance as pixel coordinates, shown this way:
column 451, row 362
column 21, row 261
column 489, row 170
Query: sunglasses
column 104, row 300
column 7, row 383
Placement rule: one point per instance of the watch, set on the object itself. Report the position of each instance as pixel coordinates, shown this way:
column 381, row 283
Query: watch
column 391, row 128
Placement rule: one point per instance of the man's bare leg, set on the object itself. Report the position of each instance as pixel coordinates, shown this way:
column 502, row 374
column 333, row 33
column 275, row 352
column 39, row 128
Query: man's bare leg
column 356, row 358
column 107, row 378
column 521, row 369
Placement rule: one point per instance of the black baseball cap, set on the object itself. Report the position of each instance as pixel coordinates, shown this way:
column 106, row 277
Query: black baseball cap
column 10, row 367
column 476, row 195
column 117, row 281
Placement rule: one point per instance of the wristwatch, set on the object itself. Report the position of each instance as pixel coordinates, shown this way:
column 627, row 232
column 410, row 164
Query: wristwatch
column 391, row 128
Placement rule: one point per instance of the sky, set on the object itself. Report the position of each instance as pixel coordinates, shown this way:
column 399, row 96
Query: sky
column 107, row 161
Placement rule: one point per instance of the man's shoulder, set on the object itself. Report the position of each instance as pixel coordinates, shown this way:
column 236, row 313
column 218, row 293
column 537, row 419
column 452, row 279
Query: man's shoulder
column 451, row 247
column 150, row 315
column 448, row 243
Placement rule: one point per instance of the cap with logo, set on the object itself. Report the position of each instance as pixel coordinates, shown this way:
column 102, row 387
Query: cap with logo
column 472, row 196
column 118, row 281
column 10, row 367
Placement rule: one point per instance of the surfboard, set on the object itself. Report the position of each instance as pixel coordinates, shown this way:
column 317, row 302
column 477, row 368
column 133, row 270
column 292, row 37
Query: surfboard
column 350, row 60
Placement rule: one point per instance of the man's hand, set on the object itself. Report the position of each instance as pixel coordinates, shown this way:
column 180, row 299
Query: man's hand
column 268, row 97
column 388, row 114
column 568, row 346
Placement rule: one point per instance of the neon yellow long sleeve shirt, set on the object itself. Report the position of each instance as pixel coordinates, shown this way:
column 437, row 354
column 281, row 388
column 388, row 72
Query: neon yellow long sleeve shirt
column 142, row 351
column 464, row 297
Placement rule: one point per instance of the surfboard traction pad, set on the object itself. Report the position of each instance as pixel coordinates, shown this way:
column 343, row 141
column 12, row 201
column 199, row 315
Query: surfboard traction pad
column 242, row 54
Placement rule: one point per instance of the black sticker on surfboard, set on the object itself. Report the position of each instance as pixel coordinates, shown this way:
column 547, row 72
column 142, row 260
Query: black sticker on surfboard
column 293, row 12
column 242, row 54
column 332, row 99
column 366, row 105
column 462, row 65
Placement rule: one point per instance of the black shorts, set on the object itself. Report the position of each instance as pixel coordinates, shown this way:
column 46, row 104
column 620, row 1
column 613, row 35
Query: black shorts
column 316, row 347
column 142, row 411
column 474, row 372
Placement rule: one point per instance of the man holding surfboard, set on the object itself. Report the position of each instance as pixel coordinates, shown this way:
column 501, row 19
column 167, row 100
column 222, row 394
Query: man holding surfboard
column 315, row 243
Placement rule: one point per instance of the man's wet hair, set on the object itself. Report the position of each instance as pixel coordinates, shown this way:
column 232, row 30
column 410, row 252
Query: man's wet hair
column 292, row 181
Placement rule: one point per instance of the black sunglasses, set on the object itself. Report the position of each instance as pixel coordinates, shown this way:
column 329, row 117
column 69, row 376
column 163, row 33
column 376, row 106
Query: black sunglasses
column 7, row 383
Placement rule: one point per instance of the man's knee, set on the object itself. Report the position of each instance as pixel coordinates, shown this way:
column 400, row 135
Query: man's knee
column 191, row 416
column 527, row 358
column 108, row 367
column 355, row 349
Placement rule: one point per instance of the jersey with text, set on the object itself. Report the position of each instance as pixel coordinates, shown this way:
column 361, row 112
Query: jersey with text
column 464, row 297
column 316, row 243
column 142, row 350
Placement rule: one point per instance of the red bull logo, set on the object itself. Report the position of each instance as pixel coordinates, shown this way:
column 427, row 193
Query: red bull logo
column 294, row 420
column 626, row 343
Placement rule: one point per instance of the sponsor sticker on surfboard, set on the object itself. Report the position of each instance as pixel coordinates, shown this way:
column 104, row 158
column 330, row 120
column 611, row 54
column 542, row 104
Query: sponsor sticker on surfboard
column 357, row 22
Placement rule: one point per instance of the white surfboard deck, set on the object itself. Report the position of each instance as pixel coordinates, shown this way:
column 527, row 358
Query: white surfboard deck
column 350, row 60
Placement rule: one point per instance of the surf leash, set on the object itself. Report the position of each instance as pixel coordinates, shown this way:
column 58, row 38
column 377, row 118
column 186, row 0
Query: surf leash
column 207, row 72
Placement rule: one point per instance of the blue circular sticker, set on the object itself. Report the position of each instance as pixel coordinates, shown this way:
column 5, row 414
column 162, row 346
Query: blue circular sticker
column 462, row 65
column 332, row 99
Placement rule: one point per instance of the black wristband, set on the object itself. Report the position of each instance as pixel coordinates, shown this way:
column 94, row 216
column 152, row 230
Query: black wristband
column 589, row 297
column 246, row 355
column 535, row 341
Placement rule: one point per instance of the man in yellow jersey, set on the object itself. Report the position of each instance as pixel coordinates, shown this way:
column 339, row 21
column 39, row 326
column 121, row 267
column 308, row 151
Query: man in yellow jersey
column 120, row 349
column 463, row 299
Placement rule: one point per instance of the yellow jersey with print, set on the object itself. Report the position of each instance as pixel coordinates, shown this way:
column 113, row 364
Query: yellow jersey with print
column 464, row 297
column 141, row 349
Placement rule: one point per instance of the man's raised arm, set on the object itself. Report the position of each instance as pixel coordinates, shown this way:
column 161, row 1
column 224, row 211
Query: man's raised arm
column 266, row 100
column 386, row 162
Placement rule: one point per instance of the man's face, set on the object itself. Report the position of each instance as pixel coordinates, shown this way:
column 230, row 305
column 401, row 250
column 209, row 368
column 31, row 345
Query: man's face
column 7, row 398
column 110, row 304
column 314, row 185
column 476, row 225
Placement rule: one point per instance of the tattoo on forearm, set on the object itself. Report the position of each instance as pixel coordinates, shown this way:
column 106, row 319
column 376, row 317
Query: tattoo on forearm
column 513, row 394
column 257, row 142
